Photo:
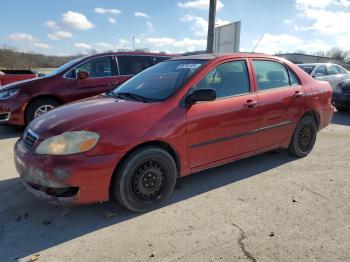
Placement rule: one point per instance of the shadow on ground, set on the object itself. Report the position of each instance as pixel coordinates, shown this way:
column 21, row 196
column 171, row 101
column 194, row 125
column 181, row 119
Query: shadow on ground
column 7, row 132
column 28, row 225
column 341, row 118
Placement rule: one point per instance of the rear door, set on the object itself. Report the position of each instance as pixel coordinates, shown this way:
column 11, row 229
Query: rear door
column 281, row 102
column 226, row 127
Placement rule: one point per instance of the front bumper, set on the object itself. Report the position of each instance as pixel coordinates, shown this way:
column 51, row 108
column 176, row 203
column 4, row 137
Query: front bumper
column 65, row 180
column 341, row 99
column 12, row 112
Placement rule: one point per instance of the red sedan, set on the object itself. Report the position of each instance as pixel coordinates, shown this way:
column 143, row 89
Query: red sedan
column 173, row 119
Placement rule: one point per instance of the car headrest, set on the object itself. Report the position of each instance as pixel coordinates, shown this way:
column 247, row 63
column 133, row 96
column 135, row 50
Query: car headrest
column 276, row 76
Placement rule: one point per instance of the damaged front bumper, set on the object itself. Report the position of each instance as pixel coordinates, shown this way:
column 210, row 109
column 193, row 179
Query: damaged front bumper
column 65, row 180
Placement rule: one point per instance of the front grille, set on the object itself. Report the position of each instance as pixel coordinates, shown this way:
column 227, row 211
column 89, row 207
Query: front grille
column 29, row 138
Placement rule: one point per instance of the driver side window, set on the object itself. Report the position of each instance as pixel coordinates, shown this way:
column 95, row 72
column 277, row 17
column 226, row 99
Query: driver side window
column 99, row 67
column 227, row 79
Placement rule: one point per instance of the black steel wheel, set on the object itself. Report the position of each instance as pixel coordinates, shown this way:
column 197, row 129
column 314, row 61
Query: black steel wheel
column 144, row 179
column 304, row 137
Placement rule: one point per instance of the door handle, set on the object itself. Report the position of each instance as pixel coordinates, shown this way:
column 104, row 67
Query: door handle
column 251, row 103
column 298, row 94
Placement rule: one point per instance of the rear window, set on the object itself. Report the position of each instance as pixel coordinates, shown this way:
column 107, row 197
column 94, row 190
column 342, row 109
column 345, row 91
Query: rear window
column 307, row 68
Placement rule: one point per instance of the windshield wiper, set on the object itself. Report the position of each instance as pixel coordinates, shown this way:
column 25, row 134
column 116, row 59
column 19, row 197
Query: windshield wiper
column 135, row 97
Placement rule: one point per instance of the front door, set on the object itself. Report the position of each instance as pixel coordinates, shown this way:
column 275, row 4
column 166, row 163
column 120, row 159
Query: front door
column 281, row 102
column 101, row 78
column 225, row 127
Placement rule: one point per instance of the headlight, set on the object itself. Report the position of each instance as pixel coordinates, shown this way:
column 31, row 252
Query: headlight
column 7, row 94
column 68, row 143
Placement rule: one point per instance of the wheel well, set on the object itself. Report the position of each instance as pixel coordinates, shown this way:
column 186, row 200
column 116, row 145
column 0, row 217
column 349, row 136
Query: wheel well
column 161, row 144
column 58, row 100
column 315, row 115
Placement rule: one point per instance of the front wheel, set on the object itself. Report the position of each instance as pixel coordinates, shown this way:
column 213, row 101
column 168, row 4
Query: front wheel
column 304, row 137
column 40, row 107
column 145, row 179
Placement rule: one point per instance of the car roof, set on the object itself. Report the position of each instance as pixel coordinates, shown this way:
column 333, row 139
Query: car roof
column 228, row 56
column 132, row 53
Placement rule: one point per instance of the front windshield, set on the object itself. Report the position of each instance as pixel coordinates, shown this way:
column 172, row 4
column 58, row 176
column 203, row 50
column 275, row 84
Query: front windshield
column 307, row 68
column 159, row 82
column 64, row 67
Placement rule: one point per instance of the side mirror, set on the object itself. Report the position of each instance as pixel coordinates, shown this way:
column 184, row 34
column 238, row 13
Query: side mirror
column 198, row 95
column 83, row 75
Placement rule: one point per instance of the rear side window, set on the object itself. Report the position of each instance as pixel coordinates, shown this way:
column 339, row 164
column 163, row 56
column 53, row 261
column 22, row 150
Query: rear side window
column 272, row 75
column 333, row 70
column 342, row 70
column 131, row 65
column 321, row 71
column 227, row 79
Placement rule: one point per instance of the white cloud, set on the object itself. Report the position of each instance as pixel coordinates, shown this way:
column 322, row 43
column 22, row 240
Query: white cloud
column 41, row 45
column 141, row 14
column 77, row 21
column 104, row 45
column 83, row 46
column 150, row 26
column 328, row 22
column 271, row 44
column 22, row 37
column 200, row 24
column 27, row 39
column 59, row 35
column 199, row 4
column 286, row 21
column 186, row 43
column 52, row 25
column 104, row 11
column 112, row 20
column 124, row 41
column 321, row 3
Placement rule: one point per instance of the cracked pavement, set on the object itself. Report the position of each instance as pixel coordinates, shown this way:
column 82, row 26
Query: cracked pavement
column 270, row 207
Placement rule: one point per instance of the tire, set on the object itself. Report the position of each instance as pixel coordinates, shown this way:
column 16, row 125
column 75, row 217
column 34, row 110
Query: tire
column 31, row 112
column 145, row 179
column 342, row 109
column 304, row 137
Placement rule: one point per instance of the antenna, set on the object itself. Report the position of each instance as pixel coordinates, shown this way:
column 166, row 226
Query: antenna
column 261, row 37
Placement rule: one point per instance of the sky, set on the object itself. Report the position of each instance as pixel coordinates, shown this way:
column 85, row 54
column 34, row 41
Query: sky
column 68, row 27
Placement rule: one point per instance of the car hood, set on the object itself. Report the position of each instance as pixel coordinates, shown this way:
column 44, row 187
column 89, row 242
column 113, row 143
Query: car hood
column 20, row 84
column 80, row 115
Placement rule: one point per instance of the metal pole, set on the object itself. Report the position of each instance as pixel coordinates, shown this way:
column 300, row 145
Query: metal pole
column 211, row 26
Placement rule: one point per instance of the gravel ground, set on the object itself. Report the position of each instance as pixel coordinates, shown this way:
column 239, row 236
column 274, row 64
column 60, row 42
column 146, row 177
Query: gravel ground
column 270, row 207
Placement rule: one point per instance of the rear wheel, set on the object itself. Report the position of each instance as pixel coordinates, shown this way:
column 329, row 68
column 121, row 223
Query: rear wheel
column 145, row 179
column 304, row 137
column 40, row 107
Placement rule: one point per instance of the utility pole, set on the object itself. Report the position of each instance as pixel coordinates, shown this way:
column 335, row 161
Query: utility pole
column 133, row 43
column 211, row 26
column 257, row 43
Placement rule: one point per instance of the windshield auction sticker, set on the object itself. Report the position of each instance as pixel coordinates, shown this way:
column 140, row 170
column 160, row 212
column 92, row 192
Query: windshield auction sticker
column 188, row 66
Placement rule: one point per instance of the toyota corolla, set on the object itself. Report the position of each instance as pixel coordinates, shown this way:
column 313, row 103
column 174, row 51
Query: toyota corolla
column 173, row 119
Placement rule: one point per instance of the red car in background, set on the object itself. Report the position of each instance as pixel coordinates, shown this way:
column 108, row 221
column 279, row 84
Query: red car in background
column 21, row 102
column 173, row 119
column 11, row 76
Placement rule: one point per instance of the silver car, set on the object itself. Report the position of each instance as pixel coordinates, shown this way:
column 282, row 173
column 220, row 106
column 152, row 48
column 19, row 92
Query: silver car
column 328, row 72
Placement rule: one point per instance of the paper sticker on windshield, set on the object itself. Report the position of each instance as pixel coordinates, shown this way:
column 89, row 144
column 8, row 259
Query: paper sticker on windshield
column 188, row 66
